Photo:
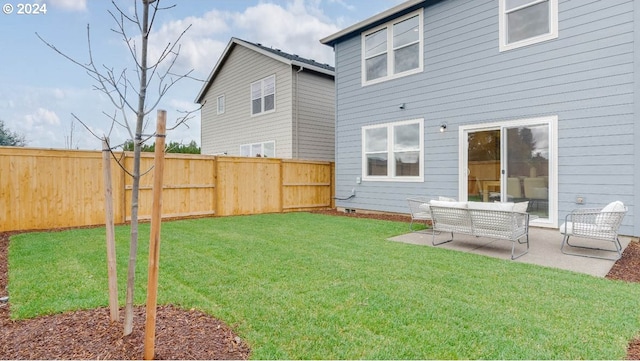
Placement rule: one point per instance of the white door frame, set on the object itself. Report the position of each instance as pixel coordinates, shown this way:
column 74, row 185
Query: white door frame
column 552, row 121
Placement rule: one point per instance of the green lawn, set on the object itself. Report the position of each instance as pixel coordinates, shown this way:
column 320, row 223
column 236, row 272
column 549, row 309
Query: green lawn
column 310, row 286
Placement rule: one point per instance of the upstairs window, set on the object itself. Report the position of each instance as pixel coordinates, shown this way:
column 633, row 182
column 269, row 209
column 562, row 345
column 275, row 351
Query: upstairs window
column 393, row 49
column 220, row 104
column 263, row 95
column 526, row 22
column 266, row 149
column 393, row 151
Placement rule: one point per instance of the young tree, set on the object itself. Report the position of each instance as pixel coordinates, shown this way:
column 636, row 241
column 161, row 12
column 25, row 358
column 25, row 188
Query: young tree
column 9, row 138
column 128, row 97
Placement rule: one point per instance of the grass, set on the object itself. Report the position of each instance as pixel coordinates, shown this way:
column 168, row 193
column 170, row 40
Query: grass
column 309, row 286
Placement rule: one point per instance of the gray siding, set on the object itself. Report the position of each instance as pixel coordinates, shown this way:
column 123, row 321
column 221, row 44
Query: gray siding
column 587, row 77
column 314, row 116
column 226, row 132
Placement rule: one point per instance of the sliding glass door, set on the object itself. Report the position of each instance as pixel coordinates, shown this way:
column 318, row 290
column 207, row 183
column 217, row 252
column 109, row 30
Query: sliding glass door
column 511, row 162
column 527, row 167
column 483, row 165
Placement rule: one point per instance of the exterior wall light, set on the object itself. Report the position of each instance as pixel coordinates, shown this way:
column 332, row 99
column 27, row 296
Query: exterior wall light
column 443, row 127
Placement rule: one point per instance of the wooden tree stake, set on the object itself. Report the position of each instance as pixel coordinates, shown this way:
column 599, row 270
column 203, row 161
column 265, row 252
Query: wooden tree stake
column 109, row 224
column 154, row 238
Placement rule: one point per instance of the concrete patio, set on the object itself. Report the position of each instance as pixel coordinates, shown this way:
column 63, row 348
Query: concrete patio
column 544, row 249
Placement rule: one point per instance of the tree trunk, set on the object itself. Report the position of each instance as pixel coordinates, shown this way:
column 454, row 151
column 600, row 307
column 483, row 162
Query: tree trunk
column 133, row 245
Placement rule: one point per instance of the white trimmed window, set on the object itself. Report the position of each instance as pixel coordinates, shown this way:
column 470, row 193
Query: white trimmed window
column 393, row 151
column 263, row 95
column 393, row 50
column 526, row 22
column 265, row 149
column 220, row 104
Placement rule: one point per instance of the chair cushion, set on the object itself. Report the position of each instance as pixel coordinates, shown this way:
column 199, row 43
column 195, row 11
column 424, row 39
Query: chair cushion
column 521, row 207
column 424, row 207
column 604, row 219
column 448, row 204
column 446, row 199
column 615, row 206
column 492, row 206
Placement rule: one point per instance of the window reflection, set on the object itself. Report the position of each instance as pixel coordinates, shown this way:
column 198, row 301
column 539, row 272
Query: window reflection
column 528, row 167
column 376, row 140
column 406, row 32
column 528, row 22
column 407, row 163
column 393, row 49
column 393, row 150
column 376, row 43
column 406, row 137
column 377, row 164
column 377, row 67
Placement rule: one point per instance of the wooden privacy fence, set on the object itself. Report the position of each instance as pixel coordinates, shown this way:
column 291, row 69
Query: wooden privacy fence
column 42, row 188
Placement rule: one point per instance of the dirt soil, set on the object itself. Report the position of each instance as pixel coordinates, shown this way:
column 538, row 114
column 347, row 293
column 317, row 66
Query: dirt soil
column 180, row 334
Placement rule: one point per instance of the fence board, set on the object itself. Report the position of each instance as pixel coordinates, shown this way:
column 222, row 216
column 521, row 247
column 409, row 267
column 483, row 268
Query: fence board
column 44, row 188
column 248, row 186
column 306, row 185
column 189, row 188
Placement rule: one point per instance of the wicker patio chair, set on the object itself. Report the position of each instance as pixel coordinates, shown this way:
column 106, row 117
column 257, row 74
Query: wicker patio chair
column 594, row 225
column 420, row 211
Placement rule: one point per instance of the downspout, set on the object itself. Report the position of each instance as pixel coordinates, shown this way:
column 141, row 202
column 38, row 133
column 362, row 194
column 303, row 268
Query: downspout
column 297, row 120
column 635, row 222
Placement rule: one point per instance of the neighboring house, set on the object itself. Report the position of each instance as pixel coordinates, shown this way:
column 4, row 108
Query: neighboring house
column 490, row 100
column 260, row 101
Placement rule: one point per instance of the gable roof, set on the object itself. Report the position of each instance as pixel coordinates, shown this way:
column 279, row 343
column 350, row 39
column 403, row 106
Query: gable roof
column 382, row 17
column 277, row 54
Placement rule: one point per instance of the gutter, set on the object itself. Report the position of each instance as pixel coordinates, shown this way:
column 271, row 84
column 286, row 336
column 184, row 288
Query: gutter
column 332, row 39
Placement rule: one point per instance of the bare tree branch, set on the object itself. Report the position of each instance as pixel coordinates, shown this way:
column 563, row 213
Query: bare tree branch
column 85, row 126
column 129, row 98
column 186, row 117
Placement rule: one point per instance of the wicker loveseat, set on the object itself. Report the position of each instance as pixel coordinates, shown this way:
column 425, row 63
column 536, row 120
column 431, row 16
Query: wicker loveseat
column 508, row 221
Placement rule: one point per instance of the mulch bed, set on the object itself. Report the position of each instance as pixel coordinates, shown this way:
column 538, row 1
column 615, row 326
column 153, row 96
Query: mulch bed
column 180, row 334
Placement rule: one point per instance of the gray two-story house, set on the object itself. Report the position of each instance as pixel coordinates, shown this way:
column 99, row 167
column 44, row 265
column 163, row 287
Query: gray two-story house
column 261, row 101
column 491, row 100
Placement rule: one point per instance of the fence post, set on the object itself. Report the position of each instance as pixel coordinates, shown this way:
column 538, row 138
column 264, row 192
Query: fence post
column 110, row 230
column 281, row 186
column 154, row 238
column 123, row 188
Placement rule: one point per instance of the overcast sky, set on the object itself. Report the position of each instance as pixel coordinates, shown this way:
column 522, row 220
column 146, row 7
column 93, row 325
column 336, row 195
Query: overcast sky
column 39, row 89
